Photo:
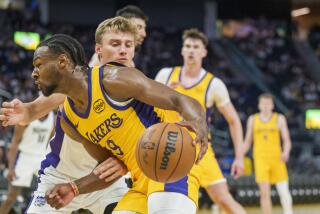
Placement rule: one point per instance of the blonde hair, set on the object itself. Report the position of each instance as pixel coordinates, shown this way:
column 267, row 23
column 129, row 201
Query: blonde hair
column 194, row 33
column 265, row 96
column 115, row 24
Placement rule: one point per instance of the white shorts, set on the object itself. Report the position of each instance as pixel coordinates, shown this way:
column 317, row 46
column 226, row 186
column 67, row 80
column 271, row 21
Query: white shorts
column 27, row 166
column 96, row 202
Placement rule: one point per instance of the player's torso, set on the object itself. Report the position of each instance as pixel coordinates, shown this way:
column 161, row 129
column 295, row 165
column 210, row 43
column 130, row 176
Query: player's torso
column 198, row 90
column 113, row 125
column 36, row 136
column 266, row 137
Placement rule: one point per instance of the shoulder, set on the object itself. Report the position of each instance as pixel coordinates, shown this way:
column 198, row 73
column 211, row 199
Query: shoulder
column 163, row 74
column 251, row 117
column 217, row 83
column 281, row 118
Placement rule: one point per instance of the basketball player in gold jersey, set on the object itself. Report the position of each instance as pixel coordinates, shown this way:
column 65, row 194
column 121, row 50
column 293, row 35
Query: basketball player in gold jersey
column 193, row 80
column 266, row 129
column 114, row 96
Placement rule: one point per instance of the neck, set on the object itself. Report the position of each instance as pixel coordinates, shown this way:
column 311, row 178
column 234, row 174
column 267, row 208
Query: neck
column 76, row 87
column 265, row 115
column 191, row 70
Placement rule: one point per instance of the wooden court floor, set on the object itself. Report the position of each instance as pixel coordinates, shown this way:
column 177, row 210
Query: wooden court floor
column 297, row 209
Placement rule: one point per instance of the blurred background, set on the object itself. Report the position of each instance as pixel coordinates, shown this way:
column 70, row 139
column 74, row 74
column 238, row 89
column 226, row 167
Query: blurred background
column 255, row 46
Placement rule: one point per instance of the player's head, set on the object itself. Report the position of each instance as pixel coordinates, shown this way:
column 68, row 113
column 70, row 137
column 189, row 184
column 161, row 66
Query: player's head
column 266, row 103
column 138, row 17
column 55, row 57
column 115, row 40
column 194, row 47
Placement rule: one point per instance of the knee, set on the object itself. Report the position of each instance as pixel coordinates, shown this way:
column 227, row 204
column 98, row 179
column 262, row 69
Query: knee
column 223, row 199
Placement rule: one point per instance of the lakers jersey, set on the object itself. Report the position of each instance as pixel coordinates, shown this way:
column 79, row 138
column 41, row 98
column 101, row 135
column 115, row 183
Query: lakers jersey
column 197, row 91
column 266, row 137
column 116, row 126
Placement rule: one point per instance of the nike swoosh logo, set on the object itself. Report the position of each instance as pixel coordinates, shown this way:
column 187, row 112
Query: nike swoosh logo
column 76, row 125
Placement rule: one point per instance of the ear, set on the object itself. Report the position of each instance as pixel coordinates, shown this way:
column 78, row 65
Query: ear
column 63, row 61
column 98, row 49
column 205, row 53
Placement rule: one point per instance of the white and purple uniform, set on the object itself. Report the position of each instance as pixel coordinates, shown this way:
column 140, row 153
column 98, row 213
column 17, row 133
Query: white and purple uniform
column 68, row 160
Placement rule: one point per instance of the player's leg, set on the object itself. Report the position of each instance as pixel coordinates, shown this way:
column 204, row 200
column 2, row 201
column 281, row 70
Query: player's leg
column 285, row 196
column 23, row 178
column 13, row 192
column 220, row 194
column 170, row 203
column 176, row 197
column 262, row 169
column 279, row 176
column 135, row 200
column 215, row 184
column 265, row 197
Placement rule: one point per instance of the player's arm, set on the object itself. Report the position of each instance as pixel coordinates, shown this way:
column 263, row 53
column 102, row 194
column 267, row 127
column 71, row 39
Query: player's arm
column 218, row 94
column 13, row 150
column 235, row 127
column 19, row 113
column 111, row 169
column 249, row 136
column 284, row 131
column 123, row 83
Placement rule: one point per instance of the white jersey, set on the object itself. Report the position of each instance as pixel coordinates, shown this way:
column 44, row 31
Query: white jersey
column 66, row 156
column 36, row 136
column 217, row 93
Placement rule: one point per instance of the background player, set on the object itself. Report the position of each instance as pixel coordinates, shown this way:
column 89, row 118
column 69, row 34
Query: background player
column 266, row 129
column 193, row 80
column 27, row 150
column 138, row 18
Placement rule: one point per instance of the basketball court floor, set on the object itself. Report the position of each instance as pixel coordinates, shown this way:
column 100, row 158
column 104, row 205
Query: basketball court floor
column 297, row 209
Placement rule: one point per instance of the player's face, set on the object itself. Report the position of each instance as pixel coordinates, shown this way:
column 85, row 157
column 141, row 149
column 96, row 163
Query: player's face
column 46, row 71
column 141, row 27
column 117, row 47
column 266, row 105
column 193, row 51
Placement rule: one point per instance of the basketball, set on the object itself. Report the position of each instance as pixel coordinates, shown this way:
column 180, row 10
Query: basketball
column 165, row 152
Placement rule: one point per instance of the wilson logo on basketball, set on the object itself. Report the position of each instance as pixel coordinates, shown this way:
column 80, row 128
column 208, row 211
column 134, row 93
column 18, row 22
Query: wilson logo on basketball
column 98, row 106
column 172, row 138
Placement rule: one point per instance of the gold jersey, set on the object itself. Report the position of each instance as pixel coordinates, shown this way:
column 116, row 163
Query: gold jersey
column 266, row 137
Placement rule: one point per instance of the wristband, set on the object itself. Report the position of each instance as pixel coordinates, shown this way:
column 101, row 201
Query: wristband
column 74, row 188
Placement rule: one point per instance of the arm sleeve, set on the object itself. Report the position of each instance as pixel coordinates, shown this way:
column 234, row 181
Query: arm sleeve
column 163, row 75
column 217, row 93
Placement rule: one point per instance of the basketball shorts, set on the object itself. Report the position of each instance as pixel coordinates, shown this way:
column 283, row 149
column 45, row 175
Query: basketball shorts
column 27, row 166
column 210, row 172
column 271, row 170
column 136, row 199
column 96, row 201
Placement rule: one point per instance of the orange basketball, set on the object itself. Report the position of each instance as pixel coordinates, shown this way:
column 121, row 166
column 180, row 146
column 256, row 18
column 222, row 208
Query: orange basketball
column 165, row 152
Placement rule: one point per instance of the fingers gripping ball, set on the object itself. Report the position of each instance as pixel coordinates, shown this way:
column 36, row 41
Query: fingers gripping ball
column 165, row 152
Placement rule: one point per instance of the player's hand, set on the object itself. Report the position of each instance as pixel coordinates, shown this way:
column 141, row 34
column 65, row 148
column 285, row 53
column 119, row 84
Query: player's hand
column 60, row 196
column 13, row 113
column 110, row 169
column 11, row 175
column 285, row 156
column 200, row 128
column 237, row 168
